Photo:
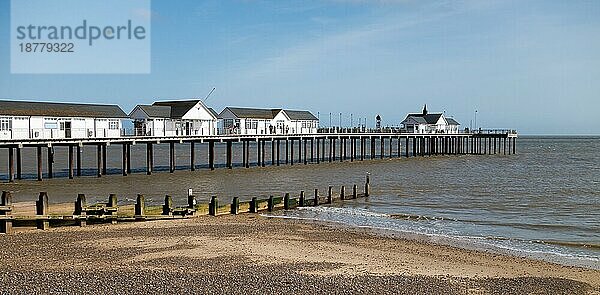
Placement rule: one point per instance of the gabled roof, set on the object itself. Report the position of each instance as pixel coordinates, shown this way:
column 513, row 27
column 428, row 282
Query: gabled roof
column 429, row 118
column 451, row 121
column 300, row 115
column 178, row 107
column 156, row 111
column 253, row 113
column 55, row 109
column 212, row 111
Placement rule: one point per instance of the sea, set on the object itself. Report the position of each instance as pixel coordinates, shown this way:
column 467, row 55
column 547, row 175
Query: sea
column 542, row 202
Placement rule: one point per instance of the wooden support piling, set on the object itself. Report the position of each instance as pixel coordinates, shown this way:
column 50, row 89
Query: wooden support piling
column 99, row 160
column 354, row 191
column 149, row 158
column 193, row 155
column 171, row 157
column 19, row 163
column 71, row 162
column 229, row 155
column 278, row 150
column 78, row 150
column 270, row 204
column 305, row 151
column 39, row 163
column 262, row 156
column 140, row 207
column 382, row 147
column 213, row 207
column 124, row 156
column 167, row 208
column 211, row 155
column 273, row 152
column 302, row 199
column 254, row 205
column 342, row 193
column 235, row 206
column 368, row 187
column 11, row 165
column 104, row 158
column 191, row 202
column 50, row 161
column 6, row 208
column 291, row 152
column 286, row 201
column 41, row 210
column 318, row 154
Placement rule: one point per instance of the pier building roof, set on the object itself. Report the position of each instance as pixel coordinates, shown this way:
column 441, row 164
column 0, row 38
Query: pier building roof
column 256, row 113
column 55, row 109
column 300, row 115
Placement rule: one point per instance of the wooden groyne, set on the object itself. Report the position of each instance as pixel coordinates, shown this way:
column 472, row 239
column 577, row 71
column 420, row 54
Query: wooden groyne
column 272, row 150
column 111, row 212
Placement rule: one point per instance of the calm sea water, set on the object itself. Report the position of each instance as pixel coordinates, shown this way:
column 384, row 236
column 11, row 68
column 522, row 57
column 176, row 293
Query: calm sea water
column 543, row 202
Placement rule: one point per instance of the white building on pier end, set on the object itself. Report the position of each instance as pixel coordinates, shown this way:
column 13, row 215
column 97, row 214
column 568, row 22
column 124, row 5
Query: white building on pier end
column 174, row 118
column 50, row 120
column 426, row 122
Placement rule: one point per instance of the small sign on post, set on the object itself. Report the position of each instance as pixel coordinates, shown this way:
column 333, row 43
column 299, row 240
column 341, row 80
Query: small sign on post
column 190, row 192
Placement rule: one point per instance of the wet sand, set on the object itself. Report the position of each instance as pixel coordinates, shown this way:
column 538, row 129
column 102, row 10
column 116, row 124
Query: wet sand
column 259, row 255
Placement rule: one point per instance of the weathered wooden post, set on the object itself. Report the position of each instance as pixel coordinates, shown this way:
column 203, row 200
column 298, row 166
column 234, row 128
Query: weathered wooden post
column 262, row 156
column 211, row 155
column 171, row 157
column 149, row 159
column 342, row 192
column 286, row 201
column 124, row 159
column 318, row 154
column 11, row 165
column 168, row 206
column 191, row 201
column 302, row 200
column 41, row 206
column 235, row 206
column 39, row 163
column 367, row 187
column 270, row 204
column 71, row 174
column 50, row 161
column 129, row 158
column 6, row 213
column 316, row 200
column 104, row 158
column 278, row 150
column 19, row 162
column 213, row 207
column 330, row 194
column 80, row 205
column 229, row 153
column 254, row 205
column 78, row 157
column 354, row 191
column 192, row 156
column 140, row 207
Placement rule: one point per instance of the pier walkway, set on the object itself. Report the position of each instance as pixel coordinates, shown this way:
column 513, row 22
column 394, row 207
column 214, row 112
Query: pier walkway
column 299, row 148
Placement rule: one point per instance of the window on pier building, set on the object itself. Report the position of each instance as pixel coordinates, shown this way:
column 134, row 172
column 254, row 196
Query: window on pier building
column 113, row 124
column 5, row 124
column 228, row 123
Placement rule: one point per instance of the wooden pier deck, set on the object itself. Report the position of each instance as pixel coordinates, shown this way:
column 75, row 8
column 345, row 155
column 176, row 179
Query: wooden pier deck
column 298, row 148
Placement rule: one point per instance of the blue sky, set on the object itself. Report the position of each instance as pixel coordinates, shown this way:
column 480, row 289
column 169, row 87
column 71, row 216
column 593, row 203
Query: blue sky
column 529, row 65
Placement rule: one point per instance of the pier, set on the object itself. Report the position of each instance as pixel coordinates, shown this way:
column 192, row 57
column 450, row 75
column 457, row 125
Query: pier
column 256, row 150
